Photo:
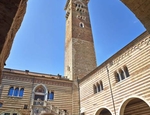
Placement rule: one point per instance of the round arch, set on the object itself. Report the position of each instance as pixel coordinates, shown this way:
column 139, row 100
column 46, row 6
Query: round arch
column 98, row 111
column 129, row 99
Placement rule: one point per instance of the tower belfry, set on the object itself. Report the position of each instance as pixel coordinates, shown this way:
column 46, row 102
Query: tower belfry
column 79, row 46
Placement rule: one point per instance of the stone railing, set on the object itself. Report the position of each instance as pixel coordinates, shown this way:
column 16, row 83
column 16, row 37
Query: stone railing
column 42, row 107
column 38, row 102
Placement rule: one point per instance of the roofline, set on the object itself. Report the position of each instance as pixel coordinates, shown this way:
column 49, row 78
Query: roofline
column 35, row 74
column 132, row 43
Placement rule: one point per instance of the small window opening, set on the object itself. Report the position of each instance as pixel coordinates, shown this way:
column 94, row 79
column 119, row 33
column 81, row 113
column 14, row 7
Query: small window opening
column 25, row 107
column 94, row 88
column 83, row 113
column 126, row 71
column 117, row 77
column 81, row 25
column 122, row 75
column 11, row 90
column 16, row 92
column 98, row 87
column 6, row 113
column 65, row 111
column 51, row 95
column 1, row 105
column 68, row 68
column 101, row 86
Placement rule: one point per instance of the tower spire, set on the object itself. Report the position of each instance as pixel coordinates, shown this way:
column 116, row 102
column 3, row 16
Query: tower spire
column 79, row 46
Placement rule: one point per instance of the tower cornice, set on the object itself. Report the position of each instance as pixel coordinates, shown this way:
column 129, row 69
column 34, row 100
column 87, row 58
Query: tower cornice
column 87, row 1
column 67, row 4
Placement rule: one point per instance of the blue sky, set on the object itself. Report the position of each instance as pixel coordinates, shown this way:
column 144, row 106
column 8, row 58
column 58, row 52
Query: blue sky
column 39, row 43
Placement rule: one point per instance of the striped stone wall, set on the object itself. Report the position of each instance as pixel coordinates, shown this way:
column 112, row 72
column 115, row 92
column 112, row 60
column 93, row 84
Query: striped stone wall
column 136, row 57
column 62, row 90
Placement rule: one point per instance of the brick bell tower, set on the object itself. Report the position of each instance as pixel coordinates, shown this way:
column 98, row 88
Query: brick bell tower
column 80, row 56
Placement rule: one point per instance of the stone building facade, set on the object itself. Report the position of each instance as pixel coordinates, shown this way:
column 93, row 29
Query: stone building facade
column 119, row 86
column 24, row 93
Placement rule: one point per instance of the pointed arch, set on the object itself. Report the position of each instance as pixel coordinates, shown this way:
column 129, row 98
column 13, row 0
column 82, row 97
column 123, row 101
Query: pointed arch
column 16, row 92
column 121, row 74
column 101, row 85
column 11, row 91
column 117, row 76
column 94, row 89
column 39, row 95
column 42, row 86
column 98, row 87
column 21, row 92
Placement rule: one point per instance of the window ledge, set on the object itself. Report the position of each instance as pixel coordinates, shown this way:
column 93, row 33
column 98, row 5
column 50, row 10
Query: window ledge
column 123, row 79
column 99, row 92
column 14, row 97
column 50, row 99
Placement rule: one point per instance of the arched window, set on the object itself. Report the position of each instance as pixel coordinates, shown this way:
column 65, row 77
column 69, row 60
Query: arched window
column 98, row 87
column 117, row 77
column 1, row 104
column 94, row 89
column 21, row 92
column 122, row 74
column 126, row 71
column 16, row 92
column 81, row 24
column 48, row 97
column 101, row 85
column 39, row 93
column 51, row 95
column 11, row 91
column 83, row 113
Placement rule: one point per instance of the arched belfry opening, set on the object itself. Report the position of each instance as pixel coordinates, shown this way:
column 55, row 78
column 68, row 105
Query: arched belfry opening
column 135, row 106
column 103, row 111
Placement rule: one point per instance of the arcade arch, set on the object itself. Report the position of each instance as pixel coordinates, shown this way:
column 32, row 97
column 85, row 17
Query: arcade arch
column 134, row 106
column 103, row 111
